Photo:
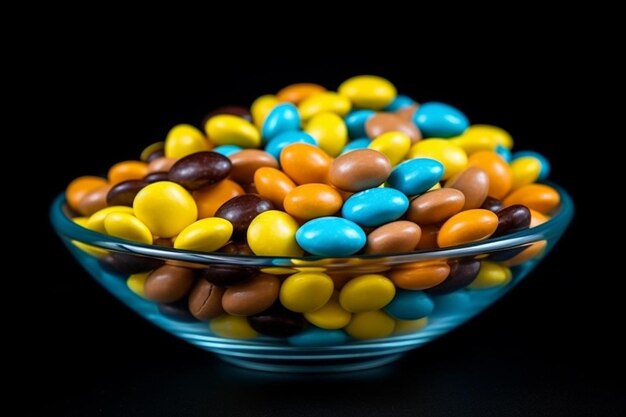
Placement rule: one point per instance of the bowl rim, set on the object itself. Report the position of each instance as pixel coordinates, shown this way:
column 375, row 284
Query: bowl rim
column 554, row 227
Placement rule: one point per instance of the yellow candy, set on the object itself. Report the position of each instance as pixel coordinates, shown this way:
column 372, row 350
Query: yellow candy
column 489, row 134
column 525, row 171
column 306, row 291
column 324, row 103
column 330, row 316
column 330, row 131
column 370, row 325
column 273, row 233
column 453, row 157
column 126, row 226
column 410, row 326
column 89, row 249
column 226, row 129
column 261, row 107
column 232, row 327
column 96, row 220
column 367, row 293
column 491, row 275
column 183, row 140
column 165, row 207
column 395, row 145
column 136, row 283
column 206, row 235
column 368, row 91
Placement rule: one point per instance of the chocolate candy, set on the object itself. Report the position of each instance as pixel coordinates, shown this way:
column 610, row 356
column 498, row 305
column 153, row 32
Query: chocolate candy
column 512, row 219
column 390, row 122
column 241, row 210
column 474, row 184
column 395, row 237
column 200, row 169
column 228, row 275
column 277, row 321
column 246, row 162
column 359, row 170
column 436, row 206
column 252, row 296
column 205, row 300
column 123, row 194
column 462, row 273
column 169, row 283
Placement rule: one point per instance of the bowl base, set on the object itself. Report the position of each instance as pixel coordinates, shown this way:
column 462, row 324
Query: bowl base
column 311, row 366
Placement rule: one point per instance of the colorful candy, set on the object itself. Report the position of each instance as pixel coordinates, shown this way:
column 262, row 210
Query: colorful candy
column 355, row 174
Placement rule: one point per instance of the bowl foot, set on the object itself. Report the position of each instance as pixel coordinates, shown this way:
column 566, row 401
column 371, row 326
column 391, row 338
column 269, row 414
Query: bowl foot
column 311, row 366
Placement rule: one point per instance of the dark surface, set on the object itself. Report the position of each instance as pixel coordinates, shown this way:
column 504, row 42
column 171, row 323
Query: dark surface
column 545, row 349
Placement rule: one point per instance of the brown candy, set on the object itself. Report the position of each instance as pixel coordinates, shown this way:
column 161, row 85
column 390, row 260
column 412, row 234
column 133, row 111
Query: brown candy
column 387, row 122
column 408, row 112
column 241, row 210
column 398, row 236
column 93, row 201
column 492, row 204
column 205, row 300
column 232, row 110
column 251, row 297
column 246, row 162
column 473, row 182
column 200, row 169
column 121, row 263
column 435, row 206
column 429, row 237
column 359, row 170
column 168, row 283
column 462, row 273
column 123, row 194
column 512, row 219
column 227, row 275
column 161, row 164
column 277, row 321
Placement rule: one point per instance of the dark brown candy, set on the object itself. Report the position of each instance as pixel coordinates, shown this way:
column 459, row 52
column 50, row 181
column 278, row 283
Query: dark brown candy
column 462, row 273
column 123, row 194
column 121, row 263
column 237, row 247
column 156, row 177
column 277, row 321
column 512, row 219
column 227, row 275
column 491, row 204
column 241, row 210
column 168, row 283
column 199, row 169
column 205, row 300
column 232, row 110
column 177, row 311
column 158, row 153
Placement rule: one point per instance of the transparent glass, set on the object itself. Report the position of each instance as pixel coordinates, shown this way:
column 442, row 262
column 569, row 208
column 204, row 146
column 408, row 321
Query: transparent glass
column 451, row 309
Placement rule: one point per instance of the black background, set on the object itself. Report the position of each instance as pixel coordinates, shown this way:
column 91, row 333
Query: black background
column 543, row 350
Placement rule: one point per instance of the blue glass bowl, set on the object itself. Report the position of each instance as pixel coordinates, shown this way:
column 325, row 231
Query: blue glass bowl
column 276, row 354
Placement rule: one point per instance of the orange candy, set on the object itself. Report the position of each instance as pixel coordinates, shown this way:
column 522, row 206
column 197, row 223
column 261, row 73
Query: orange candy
column 211, row 198
column 305, row 163
column 295, row 93
column 80, row 187
column 498, row 171
column 420, row 275
column 273, row 184
column 127, row 170
column 540, row 197
column 309, row 201
column 467, row 226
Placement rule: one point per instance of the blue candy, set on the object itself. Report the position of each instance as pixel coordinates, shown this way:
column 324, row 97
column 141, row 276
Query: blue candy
column 361, row 143
column 416, row 176
column 375, row 206
column 319, row 337
column 504, row 152
column 331, row 236
column 400, row 102
column 545, row 164
column 410, row 305
column 227, row 150
column 355, row 122
column 283, row 118
column 440, row 120
column 276, row 145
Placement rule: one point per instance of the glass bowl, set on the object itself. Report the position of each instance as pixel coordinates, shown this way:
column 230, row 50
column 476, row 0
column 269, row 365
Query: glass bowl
column 453, row 302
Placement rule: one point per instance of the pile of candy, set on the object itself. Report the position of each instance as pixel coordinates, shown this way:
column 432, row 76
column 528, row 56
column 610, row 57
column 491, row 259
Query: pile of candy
column 313, row 172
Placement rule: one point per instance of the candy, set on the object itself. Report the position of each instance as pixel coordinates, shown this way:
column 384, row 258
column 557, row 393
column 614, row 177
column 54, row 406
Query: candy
column 307, row 175
column 440, row 120
column 331, row 236
column 416, row 176
column 359, row 170
column 252, row 296
column 165, row 207
column 375, row 206
column 200, row 169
